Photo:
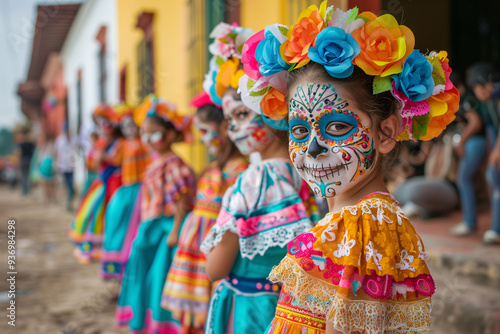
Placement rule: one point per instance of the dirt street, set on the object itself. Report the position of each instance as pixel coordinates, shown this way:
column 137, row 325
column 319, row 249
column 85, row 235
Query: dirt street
column 53, row 293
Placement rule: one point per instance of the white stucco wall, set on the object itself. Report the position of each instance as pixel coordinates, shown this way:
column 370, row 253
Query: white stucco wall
column 81, row 52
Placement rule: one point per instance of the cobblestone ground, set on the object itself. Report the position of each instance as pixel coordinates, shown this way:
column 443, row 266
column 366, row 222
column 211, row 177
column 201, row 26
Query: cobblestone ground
column 54, row 294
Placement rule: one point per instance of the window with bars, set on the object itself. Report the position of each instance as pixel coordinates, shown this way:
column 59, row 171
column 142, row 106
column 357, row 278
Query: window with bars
column 102, row 75
column 145, row 68
column 79, row 102
column 145, row 56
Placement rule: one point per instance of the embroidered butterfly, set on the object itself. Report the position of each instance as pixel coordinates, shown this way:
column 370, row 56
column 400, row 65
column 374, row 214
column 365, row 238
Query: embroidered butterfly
column 344, row 248
column 406, row 261
column 371, row 252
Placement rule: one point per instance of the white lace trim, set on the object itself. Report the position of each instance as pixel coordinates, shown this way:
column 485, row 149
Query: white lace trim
column 366, row 207
column 215, row 235
column 261, row 242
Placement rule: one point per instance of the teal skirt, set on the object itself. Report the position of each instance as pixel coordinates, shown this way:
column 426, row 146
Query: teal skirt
column 139, row 304
column 242, row 305
column 122, row 208
column 47, row 168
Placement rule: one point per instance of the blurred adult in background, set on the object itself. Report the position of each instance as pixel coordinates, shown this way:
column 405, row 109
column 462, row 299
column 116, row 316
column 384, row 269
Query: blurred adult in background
column 26, row 150
column 66, row 155
column 431, row 190
column 47, row 168
column 480, row 141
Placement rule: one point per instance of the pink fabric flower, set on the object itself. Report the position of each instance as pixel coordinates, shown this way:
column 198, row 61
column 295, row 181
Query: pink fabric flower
column 250, row 64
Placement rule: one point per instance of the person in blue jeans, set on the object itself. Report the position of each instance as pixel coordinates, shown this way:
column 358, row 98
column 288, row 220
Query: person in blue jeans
column 480, row 141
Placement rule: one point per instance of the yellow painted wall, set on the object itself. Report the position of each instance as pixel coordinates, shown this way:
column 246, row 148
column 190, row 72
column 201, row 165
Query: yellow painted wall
column 170, row 58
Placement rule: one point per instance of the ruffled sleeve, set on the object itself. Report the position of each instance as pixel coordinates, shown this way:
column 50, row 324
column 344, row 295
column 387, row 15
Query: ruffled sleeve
column 178, row 180
column 363, row 268
column 263, row 207
column 233, row 208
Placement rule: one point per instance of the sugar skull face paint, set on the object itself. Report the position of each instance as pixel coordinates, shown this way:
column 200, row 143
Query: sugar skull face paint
column 104, row 125
column 328, row 145
column 129, row 128
column 210, row 136
column 247, row 129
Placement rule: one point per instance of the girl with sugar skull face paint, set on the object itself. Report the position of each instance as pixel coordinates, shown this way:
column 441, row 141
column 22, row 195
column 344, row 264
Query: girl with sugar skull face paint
column 122, row 218
column 246, row 129
column 250, row 235
column 347, row 85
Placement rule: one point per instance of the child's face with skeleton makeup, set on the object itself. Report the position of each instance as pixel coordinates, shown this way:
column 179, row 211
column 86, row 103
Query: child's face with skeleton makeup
column 210, row 135
column 129, row 128
column 247, row 129
column 330, row 141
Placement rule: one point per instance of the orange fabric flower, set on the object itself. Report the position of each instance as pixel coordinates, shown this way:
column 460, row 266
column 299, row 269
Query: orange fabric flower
column 302, row 35
column 443, row 108
column 273, row 105
column 384, row 45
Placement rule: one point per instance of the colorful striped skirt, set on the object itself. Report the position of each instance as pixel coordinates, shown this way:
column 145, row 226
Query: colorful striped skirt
column 187, row 289
column 121, row 222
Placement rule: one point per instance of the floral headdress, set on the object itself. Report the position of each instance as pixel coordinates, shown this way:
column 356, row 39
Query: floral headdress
column 339, row 41
column 108, row 112
column 123, row 110
column 202, row 100
column 224, row 67
column 153, row 106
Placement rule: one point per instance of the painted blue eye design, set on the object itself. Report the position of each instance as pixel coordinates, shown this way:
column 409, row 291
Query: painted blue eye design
column 338, row 128
column 299, row 130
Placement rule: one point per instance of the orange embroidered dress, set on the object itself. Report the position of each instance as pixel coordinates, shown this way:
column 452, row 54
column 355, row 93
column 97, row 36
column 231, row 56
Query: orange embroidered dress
column 362, row 268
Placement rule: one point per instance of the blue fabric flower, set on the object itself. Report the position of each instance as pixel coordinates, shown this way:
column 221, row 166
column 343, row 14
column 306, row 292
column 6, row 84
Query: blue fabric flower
column 415, row 80
column 268, row 55
column 335, row 49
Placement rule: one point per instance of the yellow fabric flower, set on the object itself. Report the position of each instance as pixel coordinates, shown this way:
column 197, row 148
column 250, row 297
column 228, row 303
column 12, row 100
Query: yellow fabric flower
column 384, row 45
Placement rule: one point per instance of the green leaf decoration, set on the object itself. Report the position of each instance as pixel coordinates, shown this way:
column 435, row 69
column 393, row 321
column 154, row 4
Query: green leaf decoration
column 232, row 35
column 250, row 83
column 283, row 30
column 363, row 18
column 381, row 84
column 328, row 16
column 240, row 48
column 260, row 93
column 438, row 74
column 219, row 61
column 354, row 15
column 419, row 125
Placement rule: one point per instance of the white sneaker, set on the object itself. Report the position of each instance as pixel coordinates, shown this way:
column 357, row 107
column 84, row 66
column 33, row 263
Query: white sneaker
column 411, row 210
column 461, row 230
column 491, row 237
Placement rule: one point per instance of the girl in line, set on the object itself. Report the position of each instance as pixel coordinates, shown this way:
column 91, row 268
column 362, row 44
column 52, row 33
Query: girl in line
column 123, row 212
column 167, row 194
column 87, row 228
column 187, row 290
column 354, row 84
column 260, row 213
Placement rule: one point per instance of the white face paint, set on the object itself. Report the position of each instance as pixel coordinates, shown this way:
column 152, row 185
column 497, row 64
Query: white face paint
column 329, row 146
column 247, row 129
column 104, row 125
column 129, row 128
column 210, row 136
